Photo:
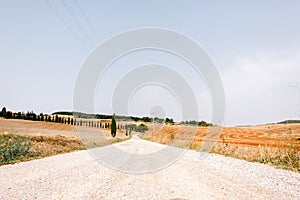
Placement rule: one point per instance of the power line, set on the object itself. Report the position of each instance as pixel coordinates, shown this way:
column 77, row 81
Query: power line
column 86, row 18
column 65, row 23
column 77, row 22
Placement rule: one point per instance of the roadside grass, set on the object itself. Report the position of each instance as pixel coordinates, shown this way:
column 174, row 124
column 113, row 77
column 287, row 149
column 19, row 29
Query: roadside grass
column 117, row 140
column 52, row 145
column 284, row 153
column 17, row 148
column 287, row 157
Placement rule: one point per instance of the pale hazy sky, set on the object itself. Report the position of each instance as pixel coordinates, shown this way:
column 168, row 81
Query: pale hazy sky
column 255, row 46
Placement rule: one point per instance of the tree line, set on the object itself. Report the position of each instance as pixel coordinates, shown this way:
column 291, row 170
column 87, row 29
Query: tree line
column 103, row 116
column 196, row 123
column 54, row 117
column 30, row 115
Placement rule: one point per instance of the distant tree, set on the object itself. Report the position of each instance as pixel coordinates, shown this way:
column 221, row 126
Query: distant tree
column 141, row 128
column 42, row 117
column 56, row 119
column 169, row 121
column 19, row 115
column 22, row 115
column 9, row 115
column 135, row 119
column 131, row 127
column 113, row 126
column 146, row 119
column 3, row 112
column 33, row 116
column 204, row 123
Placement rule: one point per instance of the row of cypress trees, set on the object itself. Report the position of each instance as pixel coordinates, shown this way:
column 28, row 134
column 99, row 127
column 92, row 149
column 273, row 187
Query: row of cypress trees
column 70, row 121
column 57, row 119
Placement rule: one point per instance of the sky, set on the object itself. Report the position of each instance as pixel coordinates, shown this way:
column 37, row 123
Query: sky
column 254, row 45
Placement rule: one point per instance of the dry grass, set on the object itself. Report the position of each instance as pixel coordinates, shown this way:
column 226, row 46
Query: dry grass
column 49, row 139
column 52, row 145
column 17, row 148
column 285, row 156
column 276, row 145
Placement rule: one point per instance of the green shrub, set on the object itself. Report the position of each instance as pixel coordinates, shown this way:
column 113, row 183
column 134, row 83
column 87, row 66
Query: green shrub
column 141, row 128
column 14, row 147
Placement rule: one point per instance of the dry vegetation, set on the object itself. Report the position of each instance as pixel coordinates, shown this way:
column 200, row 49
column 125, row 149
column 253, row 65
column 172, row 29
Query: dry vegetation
column 277, row 145
column 16, row 148
column 22, row 140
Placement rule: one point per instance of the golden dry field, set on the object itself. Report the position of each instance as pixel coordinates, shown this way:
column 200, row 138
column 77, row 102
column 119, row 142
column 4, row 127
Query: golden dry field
column 276, row 144
column 51, row 138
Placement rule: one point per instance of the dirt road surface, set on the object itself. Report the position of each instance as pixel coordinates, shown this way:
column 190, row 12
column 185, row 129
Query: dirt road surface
column 79, row 175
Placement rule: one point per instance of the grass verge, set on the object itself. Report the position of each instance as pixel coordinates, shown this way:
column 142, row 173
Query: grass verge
column 284, row 153
column 17, row 148
column 287, row 157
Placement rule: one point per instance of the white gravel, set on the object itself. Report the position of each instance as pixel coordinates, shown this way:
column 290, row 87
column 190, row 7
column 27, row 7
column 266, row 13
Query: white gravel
column 78, row 175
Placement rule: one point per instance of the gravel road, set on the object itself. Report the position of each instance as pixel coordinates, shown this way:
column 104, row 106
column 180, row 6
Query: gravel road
column 79, row 175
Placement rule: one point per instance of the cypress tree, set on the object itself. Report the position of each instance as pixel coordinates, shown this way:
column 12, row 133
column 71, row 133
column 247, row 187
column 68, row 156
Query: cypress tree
column 113, row 126
column 3, row 112
column 8, row 115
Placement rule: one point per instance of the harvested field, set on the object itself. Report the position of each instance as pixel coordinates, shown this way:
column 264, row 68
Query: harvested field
column 51, row 138
column 278, row 145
